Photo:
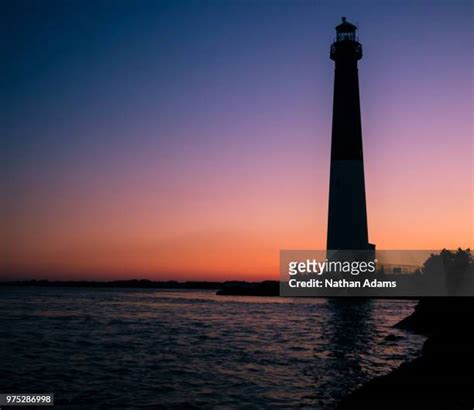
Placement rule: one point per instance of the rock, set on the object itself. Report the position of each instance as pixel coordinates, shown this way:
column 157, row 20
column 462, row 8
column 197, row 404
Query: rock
column 442, row 378
column 265, row 288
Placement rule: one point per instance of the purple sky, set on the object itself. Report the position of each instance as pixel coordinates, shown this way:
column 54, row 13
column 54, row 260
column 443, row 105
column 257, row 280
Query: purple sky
column 191, row 139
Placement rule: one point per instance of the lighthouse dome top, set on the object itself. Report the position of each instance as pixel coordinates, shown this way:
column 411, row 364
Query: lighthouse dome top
column 345, row 26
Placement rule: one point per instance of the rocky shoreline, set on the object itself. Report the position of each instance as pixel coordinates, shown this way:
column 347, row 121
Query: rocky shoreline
column 442, row 377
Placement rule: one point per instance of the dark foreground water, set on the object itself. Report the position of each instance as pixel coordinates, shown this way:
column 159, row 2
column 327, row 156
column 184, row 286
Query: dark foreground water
column 103, row 348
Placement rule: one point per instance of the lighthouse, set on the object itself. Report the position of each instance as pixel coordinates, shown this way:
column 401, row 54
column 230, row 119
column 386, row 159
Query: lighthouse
column 347, row 216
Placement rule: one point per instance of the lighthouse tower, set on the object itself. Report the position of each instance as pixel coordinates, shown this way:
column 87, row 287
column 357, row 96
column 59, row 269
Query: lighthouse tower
column 347, row 217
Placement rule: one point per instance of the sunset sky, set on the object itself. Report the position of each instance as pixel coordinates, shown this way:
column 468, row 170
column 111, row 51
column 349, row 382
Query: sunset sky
column 190, row 140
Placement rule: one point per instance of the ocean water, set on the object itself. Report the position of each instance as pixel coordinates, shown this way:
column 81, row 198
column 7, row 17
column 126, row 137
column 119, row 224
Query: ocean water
column 107, row 348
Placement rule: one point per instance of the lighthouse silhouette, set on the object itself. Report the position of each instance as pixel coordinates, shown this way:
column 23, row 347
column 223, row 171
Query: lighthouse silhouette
column 347, row 216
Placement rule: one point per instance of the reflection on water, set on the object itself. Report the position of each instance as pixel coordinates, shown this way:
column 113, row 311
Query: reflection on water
column 351, row 328
column 135, row 348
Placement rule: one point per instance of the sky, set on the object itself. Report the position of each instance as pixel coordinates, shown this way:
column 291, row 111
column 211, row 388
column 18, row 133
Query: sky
column 190, row 140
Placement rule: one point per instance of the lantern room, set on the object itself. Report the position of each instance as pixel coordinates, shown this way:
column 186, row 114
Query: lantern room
column 346, row 31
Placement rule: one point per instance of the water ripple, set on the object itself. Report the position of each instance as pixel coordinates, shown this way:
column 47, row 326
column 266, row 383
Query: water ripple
column 105, row 348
